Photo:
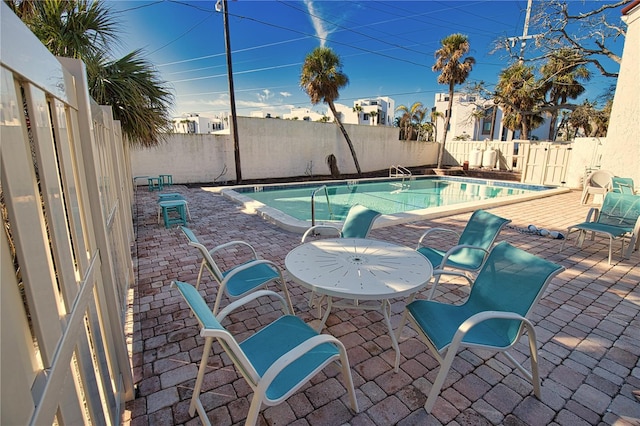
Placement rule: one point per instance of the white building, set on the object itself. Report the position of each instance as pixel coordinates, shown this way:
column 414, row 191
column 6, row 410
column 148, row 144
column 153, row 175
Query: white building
column 373, row 112
column 471, row 117
column 194, row 123
column 303, row 114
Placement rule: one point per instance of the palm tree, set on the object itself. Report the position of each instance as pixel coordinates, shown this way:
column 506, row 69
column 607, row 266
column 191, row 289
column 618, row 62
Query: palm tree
column 453, row 70
column 562, row 76
column 373, row 115
column 434, row 120
column 132, row 81
column 411, row 118
column 519, row 95
column 85, row 30
column 322, row 78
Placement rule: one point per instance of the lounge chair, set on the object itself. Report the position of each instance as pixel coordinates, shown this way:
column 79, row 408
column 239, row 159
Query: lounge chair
column 276, row 360
column 618, row 218
column 494, row 316
column 597, row 183
column 622, row 185
column 470, row 251
column 357, row 224
column 241, row 279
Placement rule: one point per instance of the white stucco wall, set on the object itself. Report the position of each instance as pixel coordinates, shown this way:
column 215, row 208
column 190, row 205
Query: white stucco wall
column 621, row 152
column 271, row 148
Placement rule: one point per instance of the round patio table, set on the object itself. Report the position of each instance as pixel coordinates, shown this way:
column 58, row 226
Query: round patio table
column 357, row 270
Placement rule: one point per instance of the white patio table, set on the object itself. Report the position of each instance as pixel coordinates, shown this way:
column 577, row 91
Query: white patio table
column 357, row 270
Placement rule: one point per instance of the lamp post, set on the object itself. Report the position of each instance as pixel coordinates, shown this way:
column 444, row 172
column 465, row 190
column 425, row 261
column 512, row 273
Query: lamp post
column 221, row 5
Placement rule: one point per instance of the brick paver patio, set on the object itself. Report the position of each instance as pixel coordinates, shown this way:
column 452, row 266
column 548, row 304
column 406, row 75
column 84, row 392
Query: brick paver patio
column 587, row 324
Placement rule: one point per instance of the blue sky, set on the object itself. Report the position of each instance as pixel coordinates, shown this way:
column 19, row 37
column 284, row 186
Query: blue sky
column 387, row 48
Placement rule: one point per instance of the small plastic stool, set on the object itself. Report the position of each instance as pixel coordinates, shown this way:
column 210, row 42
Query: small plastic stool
column 155, row 184
column 171, row 196
column 166, row 179
column 178, row 207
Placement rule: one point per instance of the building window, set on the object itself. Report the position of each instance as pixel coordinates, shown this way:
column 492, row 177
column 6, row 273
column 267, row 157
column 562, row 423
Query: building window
column 486, row 127
column 365, row 117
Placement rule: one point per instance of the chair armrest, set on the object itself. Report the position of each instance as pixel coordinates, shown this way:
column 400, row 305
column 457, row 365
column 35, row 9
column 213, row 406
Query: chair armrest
column 248, row 298
column 592, row 215
column 476, row 319
column 295, row 353
column 234, row 243
column 432, row 230
column 316, row 227
column 453, row 273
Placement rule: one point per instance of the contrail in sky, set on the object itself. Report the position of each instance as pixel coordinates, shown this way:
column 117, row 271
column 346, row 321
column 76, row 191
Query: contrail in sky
column 318, row 25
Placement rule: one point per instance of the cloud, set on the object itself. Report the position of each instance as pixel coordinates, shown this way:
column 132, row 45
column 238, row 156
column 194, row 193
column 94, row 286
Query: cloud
column 265, row 95
column 318, row 25
column 285, row 94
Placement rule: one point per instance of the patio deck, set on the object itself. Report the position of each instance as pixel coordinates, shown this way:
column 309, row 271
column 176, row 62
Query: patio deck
column 588, row 327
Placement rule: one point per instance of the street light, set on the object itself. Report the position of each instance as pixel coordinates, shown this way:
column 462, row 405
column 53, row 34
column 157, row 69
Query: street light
column 221, row 5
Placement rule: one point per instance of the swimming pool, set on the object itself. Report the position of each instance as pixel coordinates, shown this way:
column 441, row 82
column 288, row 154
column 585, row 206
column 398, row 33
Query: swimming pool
column 399, row 200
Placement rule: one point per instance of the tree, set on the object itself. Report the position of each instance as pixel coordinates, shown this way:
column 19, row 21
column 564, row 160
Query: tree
column 519, row 95
column 411, row 119
column 86, row 30
column 592, row 121
column 373, row 115
column 561, row 80
column 453, row 70
column 590, row 34
column 434, row 120
column 138, row 97
column 322, row 78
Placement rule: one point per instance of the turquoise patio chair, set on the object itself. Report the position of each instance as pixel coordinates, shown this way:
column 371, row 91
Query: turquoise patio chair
column 507, row 288
column 357, row 224
column 618, row 218
column 622, row 185
column 470, row 250
column 241, row 279
column 276, row 361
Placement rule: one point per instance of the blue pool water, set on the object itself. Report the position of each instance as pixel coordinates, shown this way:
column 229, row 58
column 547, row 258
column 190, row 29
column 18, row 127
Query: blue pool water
column 388, row 196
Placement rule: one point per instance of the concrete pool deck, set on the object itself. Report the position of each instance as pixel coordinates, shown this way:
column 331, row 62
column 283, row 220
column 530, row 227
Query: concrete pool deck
column 588, row 327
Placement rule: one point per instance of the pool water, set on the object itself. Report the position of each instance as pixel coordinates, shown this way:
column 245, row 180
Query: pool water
column 389, row 196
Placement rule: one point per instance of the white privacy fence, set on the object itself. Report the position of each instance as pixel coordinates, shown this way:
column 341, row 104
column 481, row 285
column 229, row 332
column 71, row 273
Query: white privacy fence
column 65, row 250
column 543, row 163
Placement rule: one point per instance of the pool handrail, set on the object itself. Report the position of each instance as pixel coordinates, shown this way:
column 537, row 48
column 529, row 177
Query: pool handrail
column 313, row 203
column 399, row 171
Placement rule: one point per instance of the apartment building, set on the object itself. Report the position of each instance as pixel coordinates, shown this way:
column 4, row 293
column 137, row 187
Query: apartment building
column 194, row 123
column 471, row 118
column 378, row 111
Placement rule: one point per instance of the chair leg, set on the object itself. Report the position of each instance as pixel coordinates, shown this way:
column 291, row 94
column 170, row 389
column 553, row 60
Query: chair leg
column 195, row 397
column 535, row 375
column 202, row 265
column 346, row 374
column 442, row 375
column 254, row 409
column 433, row 287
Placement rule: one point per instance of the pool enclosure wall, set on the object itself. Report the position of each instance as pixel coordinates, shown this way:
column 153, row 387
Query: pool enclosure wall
column 65, row 250
column 272, row 148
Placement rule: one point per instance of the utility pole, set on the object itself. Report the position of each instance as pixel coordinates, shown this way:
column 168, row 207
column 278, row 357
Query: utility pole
column 232, row 96
column 525, row 34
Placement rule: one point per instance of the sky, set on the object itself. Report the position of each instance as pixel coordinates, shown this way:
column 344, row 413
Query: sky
column 386, row 48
